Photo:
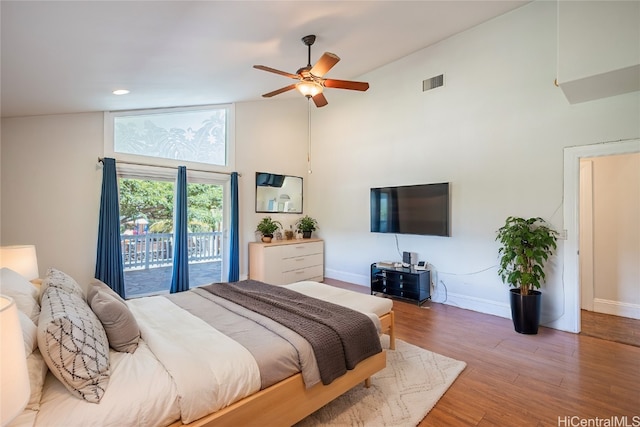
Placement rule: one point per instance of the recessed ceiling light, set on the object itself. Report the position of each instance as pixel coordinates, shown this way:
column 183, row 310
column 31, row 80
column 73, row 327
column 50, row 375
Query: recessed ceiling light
column 120, row 92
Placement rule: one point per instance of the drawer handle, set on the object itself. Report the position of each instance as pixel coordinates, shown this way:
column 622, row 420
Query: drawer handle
column 300, row 259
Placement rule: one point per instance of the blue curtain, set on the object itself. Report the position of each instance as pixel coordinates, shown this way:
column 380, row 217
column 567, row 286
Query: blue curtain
column 109, row 267
column 234, row 244
column 180, row 275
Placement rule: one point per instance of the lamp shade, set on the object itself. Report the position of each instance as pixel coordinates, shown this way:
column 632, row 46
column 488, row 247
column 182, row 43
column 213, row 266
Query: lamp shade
column 14, row 378
column 22, row 259
column 309, row 88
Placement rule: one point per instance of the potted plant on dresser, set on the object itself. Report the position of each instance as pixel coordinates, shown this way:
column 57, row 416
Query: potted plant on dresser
column 267, row 227
column 306, row 225
column 526, row 247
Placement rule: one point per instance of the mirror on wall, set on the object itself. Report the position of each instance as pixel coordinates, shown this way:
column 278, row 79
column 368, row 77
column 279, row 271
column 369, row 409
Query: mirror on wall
column 278, row 193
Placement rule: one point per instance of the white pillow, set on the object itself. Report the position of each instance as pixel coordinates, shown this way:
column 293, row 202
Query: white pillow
column 23, row 292
column 29, row 333
column 61, row 280
column 37, row 369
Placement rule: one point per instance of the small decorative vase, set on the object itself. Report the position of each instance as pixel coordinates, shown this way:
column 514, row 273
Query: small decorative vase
column 288, row 234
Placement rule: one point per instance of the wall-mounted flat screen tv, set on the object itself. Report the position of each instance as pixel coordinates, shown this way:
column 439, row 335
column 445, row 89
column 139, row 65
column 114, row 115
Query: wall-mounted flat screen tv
column 411, row 209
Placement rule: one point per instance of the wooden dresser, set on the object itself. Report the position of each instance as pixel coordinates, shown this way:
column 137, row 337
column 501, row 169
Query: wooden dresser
column 286, row 261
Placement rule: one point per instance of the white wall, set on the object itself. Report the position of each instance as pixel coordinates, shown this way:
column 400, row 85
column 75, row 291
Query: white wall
column 496, row 131
column 271, row 136
column 51, row 189
column 616, row 233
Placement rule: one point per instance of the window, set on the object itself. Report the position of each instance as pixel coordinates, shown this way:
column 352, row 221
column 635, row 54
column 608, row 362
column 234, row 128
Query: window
column 197, row 137
column 148, row 146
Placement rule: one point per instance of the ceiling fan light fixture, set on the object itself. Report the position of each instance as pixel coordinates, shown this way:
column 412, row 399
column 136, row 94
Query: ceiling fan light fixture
column 309, row 88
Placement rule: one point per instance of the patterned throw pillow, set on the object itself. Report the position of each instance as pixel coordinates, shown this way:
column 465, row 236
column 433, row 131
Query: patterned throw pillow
column 61, row 280
column 74, row 344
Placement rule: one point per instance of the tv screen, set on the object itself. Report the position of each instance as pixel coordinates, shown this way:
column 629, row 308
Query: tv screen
column 411, row 209
column 264, row 179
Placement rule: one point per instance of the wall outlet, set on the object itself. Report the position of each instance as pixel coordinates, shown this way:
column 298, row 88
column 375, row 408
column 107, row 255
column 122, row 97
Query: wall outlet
column 562, row 235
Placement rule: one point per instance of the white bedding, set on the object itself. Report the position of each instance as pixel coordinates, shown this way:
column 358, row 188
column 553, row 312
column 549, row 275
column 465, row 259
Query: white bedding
column 130, row 399
column 210, row 370
column 164, row 380
column 372, row 306
column 175, row 373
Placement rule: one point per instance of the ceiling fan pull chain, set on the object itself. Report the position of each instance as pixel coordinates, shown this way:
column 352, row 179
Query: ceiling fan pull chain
column 308, row 134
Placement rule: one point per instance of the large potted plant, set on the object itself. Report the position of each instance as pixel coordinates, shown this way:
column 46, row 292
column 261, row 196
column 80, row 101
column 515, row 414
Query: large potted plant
column 267, row 227
column 526, row 246
column 306, row 225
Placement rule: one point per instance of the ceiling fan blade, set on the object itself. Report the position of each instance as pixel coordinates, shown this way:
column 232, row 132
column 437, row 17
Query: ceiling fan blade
column 320, row 100
column 273, row 70
column 346, row 84
column 279, row 91
column 324, row 64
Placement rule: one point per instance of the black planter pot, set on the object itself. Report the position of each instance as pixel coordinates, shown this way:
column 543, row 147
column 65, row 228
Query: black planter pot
column 306, row 234
column 525, row 311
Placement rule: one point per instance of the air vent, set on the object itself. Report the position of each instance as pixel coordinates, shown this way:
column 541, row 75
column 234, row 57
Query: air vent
column 433, row 83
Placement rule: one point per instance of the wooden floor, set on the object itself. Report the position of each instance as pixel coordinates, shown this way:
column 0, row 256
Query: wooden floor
column 521, row 380
column 614, row 328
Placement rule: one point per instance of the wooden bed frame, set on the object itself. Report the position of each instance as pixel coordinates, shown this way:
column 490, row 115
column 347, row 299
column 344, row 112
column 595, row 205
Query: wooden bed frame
column 288, row 401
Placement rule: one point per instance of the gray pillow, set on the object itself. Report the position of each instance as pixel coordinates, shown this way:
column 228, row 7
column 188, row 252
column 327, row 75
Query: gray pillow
column 96, row 285
column 74, row 344
column 116, row 318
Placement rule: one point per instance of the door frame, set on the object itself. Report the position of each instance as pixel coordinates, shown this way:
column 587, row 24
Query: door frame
column 571, row 213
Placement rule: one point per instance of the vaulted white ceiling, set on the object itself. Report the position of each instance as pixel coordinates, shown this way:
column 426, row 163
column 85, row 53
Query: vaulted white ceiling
column 68, row 56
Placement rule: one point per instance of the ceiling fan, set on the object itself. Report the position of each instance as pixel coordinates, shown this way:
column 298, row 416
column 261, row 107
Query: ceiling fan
column 310, row 79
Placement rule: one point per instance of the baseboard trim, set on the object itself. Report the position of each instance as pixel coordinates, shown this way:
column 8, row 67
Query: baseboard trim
column 616, row 308
column 357, row 279
column 478, row 304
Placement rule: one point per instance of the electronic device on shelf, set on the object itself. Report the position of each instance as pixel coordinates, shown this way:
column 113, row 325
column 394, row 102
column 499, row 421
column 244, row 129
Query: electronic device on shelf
column 421, row 265
column 409, row 259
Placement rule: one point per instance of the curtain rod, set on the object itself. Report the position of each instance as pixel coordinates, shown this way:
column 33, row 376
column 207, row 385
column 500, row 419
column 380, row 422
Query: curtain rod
column 165, row 167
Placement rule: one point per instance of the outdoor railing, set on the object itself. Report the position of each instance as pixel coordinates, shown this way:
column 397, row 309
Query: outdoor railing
column 144, row 251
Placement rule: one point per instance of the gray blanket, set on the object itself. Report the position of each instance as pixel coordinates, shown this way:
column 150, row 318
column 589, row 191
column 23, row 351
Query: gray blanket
column 340, row 337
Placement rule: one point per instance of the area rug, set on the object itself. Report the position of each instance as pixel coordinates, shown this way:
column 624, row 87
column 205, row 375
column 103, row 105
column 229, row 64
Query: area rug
column 400, row 395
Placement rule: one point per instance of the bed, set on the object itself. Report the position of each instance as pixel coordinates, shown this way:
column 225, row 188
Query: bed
column 172, row 376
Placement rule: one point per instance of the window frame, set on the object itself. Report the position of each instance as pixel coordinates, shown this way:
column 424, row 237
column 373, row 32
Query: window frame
column 166, row 173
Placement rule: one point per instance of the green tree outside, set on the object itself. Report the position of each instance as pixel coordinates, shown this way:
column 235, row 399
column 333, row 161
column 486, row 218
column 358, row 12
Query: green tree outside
column 153, row 201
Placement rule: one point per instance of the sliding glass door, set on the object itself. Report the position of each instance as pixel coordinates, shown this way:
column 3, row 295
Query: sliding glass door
column 146, row 234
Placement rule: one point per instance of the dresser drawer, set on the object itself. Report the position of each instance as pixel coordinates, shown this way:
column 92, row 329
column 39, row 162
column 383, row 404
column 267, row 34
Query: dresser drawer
column 299, row 262
column 312, row 273
column 301, row 249
column 286, row 261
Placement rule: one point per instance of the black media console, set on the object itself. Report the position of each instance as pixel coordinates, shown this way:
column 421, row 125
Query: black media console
column 401, row 282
